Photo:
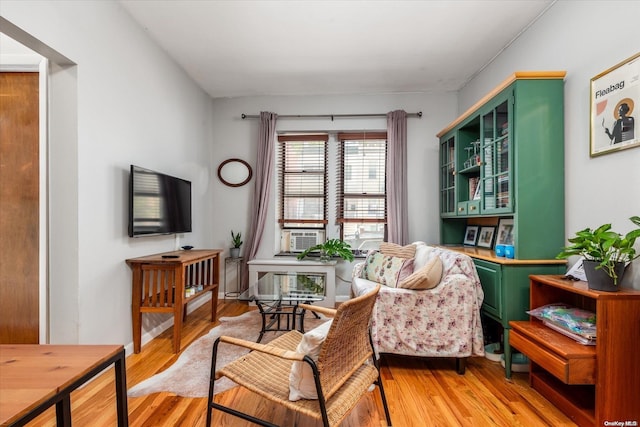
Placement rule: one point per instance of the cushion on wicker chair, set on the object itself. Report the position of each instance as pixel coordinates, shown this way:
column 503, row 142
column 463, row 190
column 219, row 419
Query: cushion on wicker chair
column 301, row 382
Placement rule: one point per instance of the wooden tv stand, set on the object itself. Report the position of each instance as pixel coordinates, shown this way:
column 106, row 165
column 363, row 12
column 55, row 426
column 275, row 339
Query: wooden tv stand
column 159, row 282
column 594, row 385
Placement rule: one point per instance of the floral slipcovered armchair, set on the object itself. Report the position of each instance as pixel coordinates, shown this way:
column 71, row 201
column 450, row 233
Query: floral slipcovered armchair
column 443, row 321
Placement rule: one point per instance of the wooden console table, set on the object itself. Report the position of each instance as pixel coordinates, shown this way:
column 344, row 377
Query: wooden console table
column 159, row 283
column 34, row 377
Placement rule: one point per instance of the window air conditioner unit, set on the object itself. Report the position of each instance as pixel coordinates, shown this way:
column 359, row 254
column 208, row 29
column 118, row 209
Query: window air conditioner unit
column 302, row 240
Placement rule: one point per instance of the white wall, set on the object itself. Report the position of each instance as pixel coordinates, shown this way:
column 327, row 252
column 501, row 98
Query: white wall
column 234, row 137
column 129, row 103
column 584, row 38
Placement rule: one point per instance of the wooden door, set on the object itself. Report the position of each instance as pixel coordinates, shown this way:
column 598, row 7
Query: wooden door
column 19, row 208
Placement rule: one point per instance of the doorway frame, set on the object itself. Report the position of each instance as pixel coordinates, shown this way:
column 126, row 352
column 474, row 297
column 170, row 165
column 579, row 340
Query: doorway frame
column 58, row 213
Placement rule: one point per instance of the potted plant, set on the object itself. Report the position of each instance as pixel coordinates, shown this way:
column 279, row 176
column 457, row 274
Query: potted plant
column 237, row 242
column 605, row 253
column 330, row 248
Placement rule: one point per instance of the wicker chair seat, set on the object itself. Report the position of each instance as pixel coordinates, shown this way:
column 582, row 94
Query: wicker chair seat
column 263, row 373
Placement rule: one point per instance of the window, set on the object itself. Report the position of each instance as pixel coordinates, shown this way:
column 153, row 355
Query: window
column 362, row 198
column 303, row 181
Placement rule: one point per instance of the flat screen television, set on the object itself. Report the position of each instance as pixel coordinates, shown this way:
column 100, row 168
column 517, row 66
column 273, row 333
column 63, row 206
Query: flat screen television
column 158, row 203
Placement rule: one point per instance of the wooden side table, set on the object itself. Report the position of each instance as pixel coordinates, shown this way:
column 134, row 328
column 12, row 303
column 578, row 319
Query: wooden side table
column 594, row 385
column 159, row 285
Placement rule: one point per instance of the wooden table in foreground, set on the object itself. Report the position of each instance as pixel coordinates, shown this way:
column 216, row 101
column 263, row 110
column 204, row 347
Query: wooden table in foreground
column 34, row 377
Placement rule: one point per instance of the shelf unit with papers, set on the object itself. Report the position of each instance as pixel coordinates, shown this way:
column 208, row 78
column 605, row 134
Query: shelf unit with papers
column 593, row 384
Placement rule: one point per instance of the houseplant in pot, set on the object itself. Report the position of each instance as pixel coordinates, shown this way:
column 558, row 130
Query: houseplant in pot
column 236, row 239
column 329, row 249
column 605, row 254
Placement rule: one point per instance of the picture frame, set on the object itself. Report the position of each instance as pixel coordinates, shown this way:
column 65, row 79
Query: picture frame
column 505, row 232
column 471, row 235
column 485, row 237
column 615, row 102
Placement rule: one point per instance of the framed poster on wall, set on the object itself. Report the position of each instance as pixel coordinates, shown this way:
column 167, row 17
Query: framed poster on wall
column 615, row 99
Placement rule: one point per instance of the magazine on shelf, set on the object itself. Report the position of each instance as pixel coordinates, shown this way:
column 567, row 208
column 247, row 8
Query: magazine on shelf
column 576, row 320
column 578, row 338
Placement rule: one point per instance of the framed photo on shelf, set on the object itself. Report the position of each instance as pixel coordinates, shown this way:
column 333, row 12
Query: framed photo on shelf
column 485, row 238
column 471, row 235
column 615, row 100
column 505, row 232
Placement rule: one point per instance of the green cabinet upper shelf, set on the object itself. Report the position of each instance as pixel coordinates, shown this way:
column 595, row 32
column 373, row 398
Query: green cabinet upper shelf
column 504, row 158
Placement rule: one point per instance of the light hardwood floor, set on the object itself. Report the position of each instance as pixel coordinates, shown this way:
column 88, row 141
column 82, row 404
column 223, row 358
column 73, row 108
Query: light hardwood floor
column 420, row 393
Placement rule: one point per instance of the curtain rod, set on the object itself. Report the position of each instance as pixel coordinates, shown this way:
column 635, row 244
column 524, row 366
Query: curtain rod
column 326, row 116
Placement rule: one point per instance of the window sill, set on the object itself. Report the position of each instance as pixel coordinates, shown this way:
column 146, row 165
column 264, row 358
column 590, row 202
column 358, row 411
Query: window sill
column 359, row 255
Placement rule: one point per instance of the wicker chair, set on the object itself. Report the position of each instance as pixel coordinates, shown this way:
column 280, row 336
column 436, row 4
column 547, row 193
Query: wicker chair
column 343, row 373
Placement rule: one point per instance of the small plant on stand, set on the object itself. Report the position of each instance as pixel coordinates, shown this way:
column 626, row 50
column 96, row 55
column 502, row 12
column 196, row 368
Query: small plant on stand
column 236, row 239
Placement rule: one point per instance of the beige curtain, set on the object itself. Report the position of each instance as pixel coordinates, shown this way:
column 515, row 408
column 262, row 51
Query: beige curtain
column 261, row 187
column 397, row 214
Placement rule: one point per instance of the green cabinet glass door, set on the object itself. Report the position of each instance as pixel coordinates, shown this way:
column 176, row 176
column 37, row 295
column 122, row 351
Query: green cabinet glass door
column 448, row 176
column 497, row 195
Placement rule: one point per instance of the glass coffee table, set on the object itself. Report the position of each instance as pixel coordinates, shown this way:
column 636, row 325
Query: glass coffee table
column 277, row 296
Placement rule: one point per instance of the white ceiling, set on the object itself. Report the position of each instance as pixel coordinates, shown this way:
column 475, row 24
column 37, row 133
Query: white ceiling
column 307, row 47
column 248, row 48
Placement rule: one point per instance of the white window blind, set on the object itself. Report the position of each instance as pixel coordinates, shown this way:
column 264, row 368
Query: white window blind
column 303, row 181
column 361, row 204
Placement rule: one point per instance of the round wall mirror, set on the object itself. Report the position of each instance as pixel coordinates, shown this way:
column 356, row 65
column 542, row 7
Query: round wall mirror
column 235, row 172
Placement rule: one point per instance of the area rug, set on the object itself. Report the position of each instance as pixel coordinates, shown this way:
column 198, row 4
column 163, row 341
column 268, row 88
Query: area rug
column 189, row 375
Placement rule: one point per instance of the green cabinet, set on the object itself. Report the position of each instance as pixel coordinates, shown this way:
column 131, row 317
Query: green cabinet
column 504, row 159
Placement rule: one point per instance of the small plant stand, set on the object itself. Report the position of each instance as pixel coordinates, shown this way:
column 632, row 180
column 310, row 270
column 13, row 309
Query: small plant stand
column 237, row 263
